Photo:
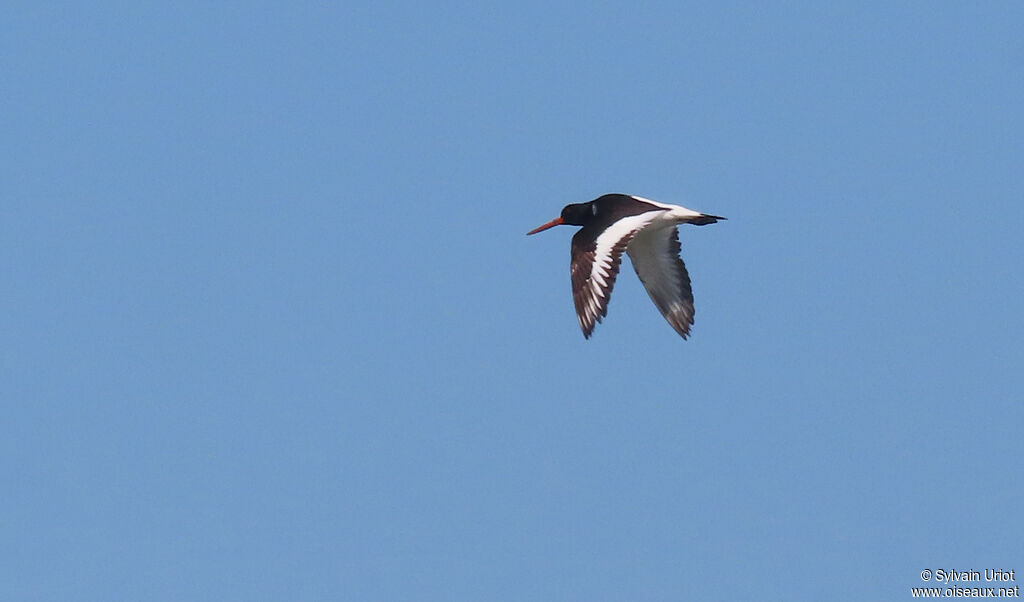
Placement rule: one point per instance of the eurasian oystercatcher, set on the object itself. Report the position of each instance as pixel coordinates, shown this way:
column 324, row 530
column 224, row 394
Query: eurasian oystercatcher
column 646, row 231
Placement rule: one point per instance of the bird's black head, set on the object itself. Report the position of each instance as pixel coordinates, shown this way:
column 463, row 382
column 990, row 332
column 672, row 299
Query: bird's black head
column 578, row 214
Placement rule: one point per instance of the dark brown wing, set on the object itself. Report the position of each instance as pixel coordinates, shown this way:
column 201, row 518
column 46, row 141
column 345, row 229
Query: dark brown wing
column 596, row 256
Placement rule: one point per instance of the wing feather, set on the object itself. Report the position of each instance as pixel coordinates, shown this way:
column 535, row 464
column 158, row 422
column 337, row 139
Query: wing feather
column 596, row 256
column 655, row 256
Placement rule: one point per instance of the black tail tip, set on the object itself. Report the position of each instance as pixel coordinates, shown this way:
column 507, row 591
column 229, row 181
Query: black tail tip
column 706, row 219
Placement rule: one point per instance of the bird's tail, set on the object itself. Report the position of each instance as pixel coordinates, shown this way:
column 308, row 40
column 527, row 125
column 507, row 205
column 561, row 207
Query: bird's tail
column 704, row 219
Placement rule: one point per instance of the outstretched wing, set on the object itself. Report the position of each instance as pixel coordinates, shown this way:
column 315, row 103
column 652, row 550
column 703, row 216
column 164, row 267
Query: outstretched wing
column 655, row 256
column 596, row 255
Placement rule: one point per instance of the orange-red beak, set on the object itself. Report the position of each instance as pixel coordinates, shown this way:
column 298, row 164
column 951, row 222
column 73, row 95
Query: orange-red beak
column 555, row 222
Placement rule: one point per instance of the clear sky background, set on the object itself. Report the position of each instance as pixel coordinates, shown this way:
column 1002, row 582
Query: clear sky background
column 272, row 329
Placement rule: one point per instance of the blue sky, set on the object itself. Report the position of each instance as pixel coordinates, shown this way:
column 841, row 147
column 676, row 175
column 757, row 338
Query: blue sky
column 272, row 328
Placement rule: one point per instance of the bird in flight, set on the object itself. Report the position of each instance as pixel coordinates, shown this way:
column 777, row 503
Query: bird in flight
column 646, row 231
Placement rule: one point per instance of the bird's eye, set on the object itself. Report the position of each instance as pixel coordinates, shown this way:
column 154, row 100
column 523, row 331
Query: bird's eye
column 593, row 208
